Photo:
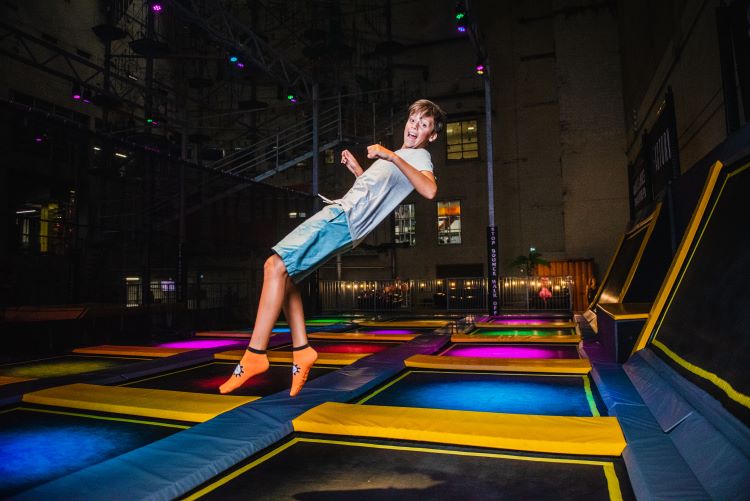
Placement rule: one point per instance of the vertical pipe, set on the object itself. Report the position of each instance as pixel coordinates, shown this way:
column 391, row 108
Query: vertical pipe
column 315, row 139
column 493, row 252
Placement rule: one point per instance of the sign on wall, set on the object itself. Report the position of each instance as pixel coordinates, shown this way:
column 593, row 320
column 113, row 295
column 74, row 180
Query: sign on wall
column 639, row 182
column 663, row 154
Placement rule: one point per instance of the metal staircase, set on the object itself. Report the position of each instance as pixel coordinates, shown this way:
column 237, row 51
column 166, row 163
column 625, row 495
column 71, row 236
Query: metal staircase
column 284, row 149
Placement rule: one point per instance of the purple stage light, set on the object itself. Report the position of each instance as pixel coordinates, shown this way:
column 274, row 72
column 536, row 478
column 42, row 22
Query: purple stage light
column 240, row 65
column 156, row 7
column 76, row 96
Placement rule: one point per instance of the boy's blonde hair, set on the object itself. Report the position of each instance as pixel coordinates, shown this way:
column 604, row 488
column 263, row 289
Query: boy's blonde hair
column 429, row 109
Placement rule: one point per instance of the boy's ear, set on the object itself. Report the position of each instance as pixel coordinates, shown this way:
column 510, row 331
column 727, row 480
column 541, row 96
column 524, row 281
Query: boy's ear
column 432, row 137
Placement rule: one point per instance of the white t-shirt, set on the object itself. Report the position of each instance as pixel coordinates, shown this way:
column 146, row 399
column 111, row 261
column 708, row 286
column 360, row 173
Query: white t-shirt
column 378, row 191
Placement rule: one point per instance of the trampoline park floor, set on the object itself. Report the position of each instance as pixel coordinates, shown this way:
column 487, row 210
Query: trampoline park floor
column 314, row 467
column 39, row 444
column 311, row 466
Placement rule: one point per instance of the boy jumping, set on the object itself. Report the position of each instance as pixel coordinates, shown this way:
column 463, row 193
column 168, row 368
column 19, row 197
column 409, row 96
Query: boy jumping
column 335, row 229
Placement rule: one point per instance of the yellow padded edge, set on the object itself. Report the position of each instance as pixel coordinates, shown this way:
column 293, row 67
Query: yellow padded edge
column 12, row 379
column 550, row 434
column 165, row 404
column 626, row 311
column 135, row 351
column 233, row 334
column 286, row 356
column 466, row 338
column 552, row 366
column 405, row 323
column 530, row 323
column 361, row 336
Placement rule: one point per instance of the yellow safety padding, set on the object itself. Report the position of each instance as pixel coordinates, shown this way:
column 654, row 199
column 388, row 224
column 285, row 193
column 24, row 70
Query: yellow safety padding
column 12, row 379
column 527, row 324
column 650, row 328
column 361, row 336
column 626, row 311
column 537, row 365
column 405, row 323
column 522, row 432
column 165, row 404
column 279, row 356
column 133, row 351
column 232, row 334
column 468, row 338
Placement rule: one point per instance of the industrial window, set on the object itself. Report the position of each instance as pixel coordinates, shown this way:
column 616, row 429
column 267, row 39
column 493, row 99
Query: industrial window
column 462, row 140
column 449, row 222
column 405, row 223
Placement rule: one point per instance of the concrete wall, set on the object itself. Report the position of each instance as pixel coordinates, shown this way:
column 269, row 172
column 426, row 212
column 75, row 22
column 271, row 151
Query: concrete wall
column 688, row 61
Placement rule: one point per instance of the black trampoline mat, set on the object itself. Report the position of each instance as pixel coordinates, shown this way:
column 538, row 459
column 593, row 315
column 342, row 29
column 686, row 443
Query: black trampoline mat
column 348, row 469
column 208, row 377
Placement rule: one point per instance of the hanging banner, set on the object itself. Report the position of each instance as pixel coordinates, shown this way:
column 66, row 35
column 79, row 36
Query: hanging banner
column 663, row 154
column 493, row 293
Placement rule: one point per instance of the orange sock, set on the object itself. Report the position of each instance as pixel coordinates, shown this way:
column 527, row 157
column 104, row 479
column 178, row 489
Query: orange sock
column 253, row 362
column 303, row 357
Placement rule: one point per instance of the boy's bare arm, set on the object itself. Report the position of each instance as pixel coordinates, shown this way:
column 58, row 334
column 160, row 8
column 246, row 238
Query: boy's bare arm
column 423, row 181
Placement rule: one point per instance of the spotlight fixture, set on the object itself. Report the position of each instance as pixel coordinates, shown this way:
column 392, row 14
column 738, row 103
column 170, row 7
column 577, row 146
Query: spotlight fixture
column 233, row 59
column 240, row 65
column 460, row 17
column 480, row 68
column 156, row 6
column 291, row 97
column 75, row 93
column 86, row 95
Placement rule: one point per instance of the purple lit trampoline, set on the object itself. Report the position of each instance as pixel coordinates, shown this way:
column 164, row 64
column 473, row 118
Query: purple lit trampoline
column 202, row 344
column 512, row 351
column 387, row 332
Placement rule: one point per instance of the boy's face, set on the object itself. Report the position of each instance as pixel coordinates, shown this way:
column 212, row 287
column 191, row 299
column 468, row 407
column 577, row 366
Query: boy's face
column 418, row 131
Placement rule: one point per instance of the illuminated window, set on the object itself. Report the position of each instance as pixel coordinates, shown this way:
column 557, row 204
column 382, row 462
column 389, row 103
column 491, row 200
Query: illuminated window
column 462, row 140
column 449, row 222
column 405, row 224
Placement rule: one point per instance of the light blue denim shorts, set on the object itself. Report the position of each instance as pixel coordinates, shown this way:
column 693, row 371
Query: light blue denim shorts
column 314, row 242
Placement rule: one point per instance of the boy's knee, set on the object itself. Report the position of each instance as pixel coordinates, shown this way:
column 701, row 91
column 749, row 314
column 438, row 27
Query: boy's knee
column 274, row 266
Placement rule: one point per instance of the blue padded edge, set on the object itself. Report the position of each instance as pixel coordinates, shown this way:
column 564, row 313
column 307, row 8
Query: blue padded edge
column 738, row 433
column 179, row 463
column 655, row 467
column 712, row 441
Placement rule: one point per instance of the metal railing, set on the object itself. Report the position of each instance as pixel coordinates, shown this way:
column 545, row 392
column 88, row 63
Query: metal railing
column 454, row 294
column 448, row 294
column 536, row 293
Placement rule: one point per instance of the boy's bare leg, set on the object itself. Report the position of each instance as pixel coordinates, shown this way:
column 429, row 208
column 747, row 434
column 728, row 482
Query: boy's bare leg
column 254, row 361
column 303, row 355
